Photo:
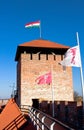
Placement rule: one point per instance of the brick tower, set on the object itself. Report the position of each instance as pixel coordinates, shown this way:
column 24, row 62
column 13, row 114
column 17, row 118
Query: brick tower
column 36, row 58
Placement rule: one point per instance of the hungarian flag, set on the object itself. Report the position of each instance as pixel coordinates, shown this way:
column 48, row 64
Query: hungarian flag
column 72, row 57
column 44, row 79
column 32, row 24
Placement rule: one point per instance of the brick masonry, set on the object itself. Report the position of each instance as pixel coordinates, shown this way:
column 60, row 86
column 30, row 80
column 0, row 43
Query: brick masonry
column 29, row 69
column 68, row 112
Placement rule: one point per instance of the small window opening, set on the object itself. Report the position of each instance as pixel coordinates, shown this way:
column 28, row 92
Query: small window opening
column 54, row 57
column 31, row 57
column 46, row 56
column 39, row 57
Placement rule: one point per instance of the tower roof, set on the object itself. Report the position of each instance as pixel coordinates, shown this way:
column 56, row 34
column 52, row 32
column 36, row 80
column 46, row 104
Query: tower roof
column 43, row 43
column 38, row 45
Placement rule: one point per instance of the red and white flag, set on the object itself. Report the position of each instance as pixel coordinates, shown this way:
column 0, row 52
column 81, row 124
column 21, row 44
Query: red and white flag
column 44, row 79
column 32, row 24
column 72, row 57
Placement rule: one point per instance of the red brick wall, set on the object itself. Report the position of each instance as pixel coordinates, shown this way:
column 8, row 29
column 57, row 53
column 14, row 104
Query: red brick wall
column 31, row 69
column 69, row 113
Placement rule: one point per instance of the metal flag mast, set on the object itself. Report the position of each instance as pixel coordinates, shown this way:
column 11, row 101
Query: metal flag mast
column 40, row 29
column 52, row 87
column 34, row 24
column 81, row 72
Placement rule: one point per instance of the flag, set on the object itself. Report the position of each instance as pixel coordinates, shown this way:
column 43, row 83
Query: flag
column 44, row 79
column 33, row 24
column 72, row 57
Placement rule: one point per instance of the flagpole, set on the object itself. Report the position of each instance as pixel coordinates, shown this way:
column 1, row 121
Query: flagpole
column 52, row 92
column 53, row 112
column 40, row 29
column 82, row 83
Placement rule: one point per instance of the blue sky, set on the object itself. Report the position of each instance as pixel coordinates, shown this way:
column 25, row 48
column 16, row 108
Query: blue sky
column 60, row 20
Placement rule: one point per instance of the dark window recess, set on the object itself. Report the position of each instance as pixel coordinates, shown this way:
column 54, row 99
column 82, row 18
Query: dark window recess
column 61, row 57
column 54, row 57
column 39, row 57
column 64, row 67
column 31, row 57
column 46, row 56
column 35, row 103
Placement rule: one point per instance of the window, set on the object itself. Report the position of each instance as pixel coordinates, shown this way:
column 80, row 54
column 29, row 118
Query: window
column 39, row 56
column 54, row 57
column 46, row 56
column 31, row 56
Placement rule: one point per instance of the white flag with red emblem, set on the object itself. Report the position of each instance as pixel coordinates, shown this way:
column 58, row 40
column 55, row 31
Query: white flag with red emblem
column 72, row 57
column 44, row 79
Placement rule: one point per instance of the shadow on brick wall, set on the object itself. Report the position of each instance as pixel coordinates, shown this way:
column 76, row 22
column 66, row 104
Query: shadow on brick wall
column 69, row 113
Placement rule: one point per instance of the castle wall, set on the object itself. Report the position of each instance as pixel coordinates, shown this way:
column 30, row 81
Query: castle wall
column 35, row 65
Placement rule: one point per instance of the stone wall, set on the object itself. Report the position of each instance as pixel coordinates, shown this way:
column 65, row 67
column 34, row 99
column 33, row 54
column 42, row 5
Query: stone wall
column 68, row 112
column 31, row 67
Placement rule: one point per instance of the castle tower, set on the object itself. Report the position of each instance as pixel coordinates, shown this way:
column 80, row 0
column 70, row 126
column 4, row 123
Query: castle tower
column 36, row 58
